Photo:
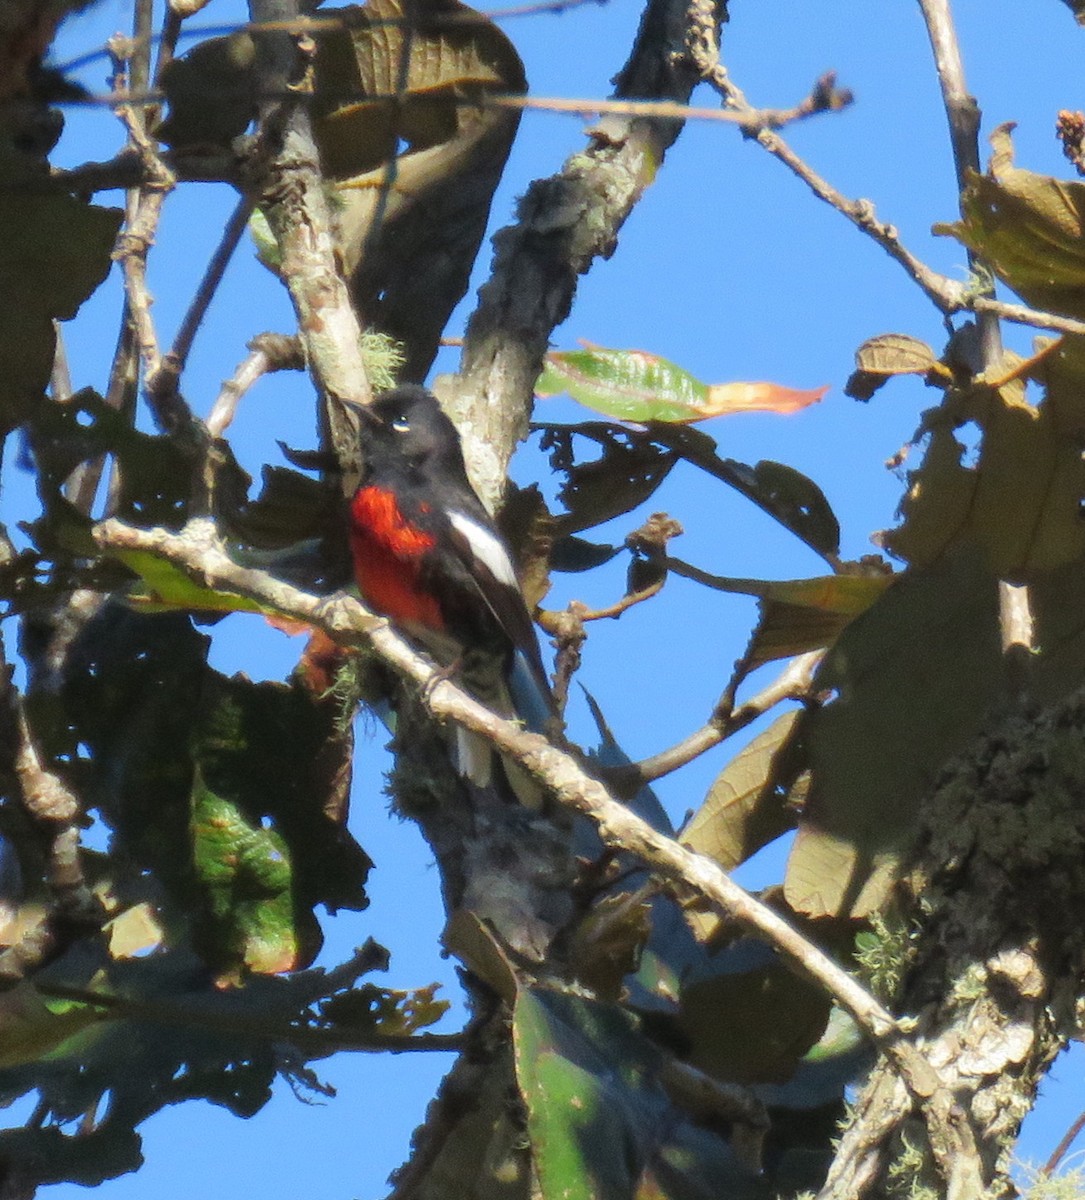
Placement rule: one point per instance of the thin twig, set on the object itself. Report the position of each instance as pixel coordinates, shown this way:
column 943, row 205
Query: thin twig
column 60, row 381
column 962, row 111
column 144, row 208
column 166, row 380
column 326, row 23
column 268, row 352
column 237, row 1024
column 945, row 293
column 167, row 40
column 1021, row 314
column 657, row 110
column 551, row 621
column 793, row 683
column 588, row 106
column 139, row 45
column 1065, row 1142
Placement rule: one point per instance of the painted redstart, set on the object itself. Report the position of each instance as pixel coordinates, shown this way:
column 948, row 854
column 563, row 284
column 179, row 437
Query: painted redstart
column 427, row 555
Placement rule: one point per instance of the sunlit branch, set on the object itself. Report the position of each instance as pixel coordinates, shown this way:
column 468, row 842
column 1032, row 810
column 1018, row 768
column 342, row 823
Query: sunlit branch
column 963, row 115
column 197, row 551
column 794, row 683
column 295, row 202
column 143, row 210
column 268, row 352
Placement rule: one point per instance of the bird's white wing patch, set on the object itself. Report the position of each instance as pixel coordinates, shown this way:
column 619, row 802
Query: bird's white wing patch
column 487, row 549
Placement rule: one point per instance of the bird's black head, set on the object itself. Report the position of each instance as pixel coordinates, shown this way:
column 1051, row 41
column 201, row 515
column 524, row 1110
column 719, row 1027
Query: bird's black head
column 407, row 427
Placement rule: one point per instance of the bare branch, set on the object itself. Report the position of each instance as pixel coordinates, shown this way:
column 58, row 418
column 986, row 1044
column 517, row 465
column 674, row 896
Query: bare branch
column 54, row 811
column 1065, row 1142
column 143, row 210
column 963, row 114
column 793, row 683
column 961, row 108
column 296, row 205
column 197, row 551
column 945, row 293
column 268, row 352
column 664, row 110
column 1021, row 314
column 168, row 376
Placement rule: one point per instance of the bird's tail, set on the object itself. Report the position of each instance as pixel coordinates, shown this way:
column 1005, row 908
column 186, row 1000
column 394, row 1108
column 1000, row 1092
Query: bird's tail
column 515, row 695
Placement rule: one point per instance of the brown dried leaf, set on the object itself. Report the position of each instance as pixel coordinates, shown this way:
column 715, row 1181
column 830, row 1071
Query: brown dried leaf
column 1021, row 501
column 1029, row 228
column 880, row 358
column 423, row 163
column 742, row 812
column 912, row 680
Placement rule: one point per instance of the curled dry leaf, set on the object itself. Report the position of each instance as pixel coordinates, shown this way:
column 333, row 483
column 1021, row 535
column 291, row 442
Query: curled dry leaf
column 742, row 812
column 1029, row 228
column 880, row 358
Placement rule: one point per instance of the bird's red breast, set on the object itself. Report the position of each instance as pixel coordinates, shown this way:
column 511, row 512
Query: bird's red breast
column 388, row 550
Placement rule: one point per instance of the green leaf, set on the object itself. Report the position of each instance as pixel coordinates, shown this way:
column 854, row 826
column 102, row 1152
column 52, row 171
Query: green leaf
column 32, row 1028
column 168, row 588
column 632, row 385
column 598, row 1117
column 773, row 1017
column 245, row 873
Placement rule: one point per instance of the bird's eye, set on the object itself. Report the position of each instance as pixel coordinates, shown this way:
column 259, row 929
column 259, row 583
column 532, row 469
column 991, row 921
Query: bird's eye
column 401, row 425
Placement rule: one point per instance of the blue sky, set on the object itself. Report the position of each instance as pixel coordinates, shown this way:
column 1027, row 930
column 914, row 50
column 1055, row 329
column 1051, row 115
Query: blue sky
column 730, row 268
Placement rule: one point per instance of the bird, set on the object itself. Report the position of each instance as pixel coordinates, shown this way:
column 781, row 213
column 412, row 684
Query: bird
column 427, row 555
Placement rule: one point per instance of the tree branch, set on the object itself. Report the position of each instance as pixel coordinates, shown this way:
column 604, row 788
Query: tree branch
column 54, row 811
column 295, row 202
column 564, row 224
column 268, row 352
column 963, row 115
column 164, row 383
column 793, row 683
column 197, row 551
